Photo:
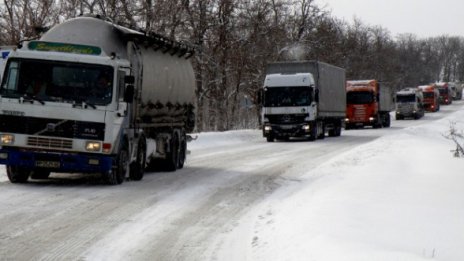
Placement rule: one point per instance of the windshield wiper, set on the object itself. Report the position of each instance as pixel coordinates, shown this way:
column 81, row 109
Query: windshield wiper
column 31, row 99
column 84, row 104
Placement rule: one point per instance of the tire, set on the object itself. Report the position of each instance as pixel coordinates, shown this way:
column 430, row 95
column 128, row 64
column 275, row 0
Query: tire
column 336, row 131
column 313, row 132
column 40, row 174
column 17, row 174
column 137, row 168
column 386, row 122
column 117, row 175
column 172, row 159
column 321, row 135
column 182, row 152
column 270, row 138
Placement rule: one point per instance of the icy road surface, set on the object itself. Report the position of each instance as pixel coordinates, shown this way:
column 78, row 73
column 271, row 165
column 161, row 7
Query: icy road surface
column 210, row 210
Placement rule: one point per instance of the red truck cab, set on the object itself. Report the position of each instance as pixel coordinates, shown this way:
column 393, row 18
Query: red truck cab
column 446, row 96
column 431, row 97
column 368, row 104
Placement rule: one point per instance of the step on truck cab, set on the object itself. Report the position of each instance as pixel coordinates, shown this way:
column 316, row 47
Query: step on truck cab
column 369, row 103
column 409, row 104
column 431, row 97
column 303, row 99
column 92, row 96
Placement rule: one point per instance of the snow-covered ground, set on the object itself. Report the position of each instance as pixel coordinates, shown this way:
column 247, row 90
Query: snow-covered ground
column 387, row 194
column 399, row 197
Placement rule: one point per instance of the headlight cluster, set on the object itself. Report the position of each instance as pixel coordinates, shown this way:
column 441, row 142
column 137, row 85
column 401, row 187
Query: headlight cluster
column 7, row 139
column 93, row 146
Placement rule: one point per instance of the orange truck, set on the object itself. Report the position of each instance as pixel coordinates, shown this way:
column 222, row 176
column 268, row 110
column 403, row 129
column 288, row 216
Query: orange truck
column 368, row 104
column 431, row 97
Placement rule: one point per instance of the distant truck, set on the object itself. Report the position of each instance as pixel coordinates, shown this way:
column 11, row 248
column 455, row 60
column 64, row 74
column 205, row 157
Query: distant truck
column 303, row 99
column 409, row 104
column 446, row 93
column 368, row 104
column 456, row 89
column 88, row 97
column 431, row 97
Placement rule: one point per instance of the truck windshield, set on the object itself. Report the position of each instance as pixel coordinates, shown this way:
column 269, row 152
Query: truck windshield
column 361, row 97
column 428, row 95
column 58, row 81
column 287, row 96
column 443, row 91
column 406, row 98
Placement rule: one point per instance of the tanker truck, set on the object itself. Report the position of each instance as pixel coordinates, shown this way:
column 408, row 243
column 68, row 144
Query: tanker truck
column 91, row 96
column 303, row 99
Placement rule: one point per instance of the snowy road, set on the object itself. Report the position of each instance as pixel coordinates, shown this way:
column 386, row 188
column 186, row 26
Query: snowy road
column 206, row 211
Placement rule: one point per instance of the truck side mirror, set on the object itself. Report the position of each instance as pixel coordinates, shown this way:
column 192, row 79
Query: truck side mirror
column 129, row 79
column 129, row 94
column 316, row 95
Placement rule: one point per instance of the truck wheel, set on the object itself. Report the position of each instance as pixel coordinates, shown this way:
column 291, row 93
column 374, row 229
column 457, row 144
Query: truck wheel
column 17, row 174
column 386, row 121
column 336, row 131
column 137, row 168
column 322, row 134
column 117, row 175
column 313, row 132
column 270, row 138
column 40, row 174
column 172, row 158
column 182, row 153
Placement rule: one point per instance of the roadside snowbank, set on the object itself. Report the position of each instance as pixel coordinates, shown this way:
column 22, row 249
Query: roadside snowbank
column 400, row 197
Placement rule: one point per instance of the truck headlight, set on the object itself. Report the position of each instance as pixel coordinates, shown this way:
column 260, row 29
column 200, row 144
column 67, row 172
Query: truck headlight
column 347, row 120
column 93, row 146
column 306, row 127
column 371, row 118
column 267, row 128
column 7, row 139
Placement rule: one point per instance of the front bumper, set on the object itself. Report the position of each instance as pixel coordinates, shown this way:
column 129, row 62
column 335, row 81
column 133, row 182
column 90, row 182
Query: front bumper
column 290, row 130
column 56, row 162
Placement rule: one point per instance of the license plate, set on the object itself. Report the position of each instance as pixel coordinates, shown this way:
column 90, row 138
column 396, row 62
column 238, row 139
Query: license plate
column 286, row 127
column 47, row 164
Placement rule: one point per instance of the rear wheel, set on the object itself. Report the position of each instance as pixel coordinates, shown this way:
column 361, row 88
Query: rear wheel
column 182, row 152
column 322, row 134
column 386, row 120
column 172, row 157
column 17, row 174
column 270, row 138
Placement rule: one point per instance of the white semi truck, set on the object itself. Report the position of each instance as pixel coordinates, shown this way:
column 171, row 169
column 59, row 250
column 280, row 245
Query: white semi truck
column 88, row 96
column 409, row 104
column 303, row 99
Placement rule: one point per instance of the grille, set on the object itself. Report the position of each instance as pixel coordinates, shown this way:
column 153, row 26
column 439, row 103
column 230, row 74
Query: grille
column 286, row 118
column 49, row 143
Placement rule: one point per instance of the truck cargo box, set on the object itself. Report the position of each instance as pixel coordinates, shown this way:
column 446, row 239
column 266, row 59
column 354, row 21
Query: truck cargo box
column 387, row 98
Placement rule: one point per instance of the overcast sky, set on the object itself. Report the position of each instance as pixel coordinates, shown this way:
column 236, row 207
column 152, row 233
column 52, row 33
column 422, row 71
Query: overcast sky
column 421, row 17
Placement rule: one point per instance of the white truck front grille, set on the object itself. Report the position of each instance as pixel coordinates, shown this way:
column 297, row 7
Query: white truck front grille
column 50, row 143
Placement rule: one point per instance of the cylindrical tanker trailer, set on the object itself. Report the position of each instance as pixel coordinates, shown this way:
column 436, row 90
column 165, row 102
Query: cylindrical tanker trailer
column 92, row 96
